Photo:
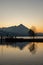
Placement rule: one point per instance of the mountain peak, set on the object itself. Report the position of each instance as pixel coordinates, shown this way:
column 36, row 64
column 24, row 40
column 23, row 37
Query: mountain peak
column 21, row 25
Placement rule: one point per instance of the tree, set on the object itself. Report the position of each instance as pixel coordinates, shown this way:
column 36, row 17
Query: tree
column 31, row 33
column 33, row 28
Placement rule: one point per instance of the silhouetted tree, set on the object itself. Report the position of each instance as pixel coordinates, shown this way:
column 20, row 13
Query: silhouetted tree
column 31, row 33
column 33, row 28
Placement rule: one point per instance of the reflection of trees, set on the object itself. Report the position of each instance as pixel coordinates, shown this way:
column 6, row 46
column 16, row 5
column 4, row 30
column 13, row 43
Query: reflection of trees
column 32, row 48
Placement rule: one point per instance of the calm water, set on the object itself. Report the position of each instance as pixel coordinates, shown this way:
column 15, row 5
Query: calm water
column 24, row 53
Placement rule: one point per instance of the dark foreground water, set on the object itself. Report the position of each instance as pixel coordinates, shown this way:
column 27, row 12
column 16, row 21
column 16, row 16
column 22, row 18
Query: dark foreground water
column 23, row 53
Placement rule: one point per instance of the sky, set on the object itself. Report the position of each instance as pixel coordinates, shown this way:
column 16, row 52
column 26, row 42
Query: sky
column 26, row 12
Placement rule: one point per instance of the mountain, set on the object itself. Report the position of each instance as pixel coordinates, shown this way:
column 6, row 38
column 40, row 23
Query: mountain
column 19, row 30
column 3, row 32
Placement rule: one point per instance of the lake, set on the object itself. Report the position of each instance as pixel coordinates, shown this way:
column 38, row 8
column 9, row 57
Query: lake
column 21, row 53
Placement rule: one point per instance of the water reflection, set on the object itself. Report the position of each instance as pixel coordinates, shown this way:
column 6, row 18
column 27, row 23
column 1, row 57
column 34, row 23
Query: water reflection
column 21, row 53
column 33, row 47
column 20, row 45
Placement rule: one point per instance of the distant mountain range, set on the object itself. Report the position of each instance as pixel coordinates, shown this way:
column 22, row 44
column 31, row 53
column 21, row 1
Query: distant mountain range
column 19, row 30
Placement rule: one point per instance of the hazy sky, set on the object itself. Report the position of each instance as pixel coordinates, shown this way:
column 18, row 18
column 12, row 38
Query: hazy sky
column 27, row 12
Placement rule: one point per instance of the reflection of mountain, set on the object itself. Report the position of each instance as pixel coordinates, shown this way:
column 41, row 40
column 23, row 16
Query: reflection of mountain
column 20, row 45
column 15, row 30
column 32, row 46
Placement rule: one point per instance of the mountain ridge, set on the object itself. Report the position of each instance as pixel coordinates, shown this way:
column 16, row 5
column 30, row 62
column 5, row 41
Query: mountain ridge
column 19, row 30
